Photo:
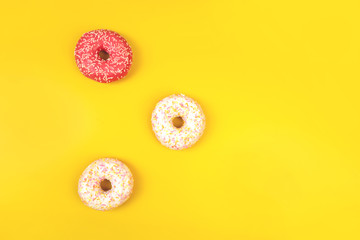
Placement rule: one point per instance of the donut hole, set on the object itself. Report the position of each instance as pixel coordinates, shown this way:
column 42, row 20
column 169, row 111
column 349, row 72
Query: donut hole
column 104, row 55
column 105, row 185
column 178, row 122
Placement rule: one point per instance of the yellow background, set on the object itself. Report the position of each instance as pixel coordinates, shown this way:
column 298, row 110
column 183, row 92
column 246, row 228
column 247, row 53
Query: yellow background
column 277, row 80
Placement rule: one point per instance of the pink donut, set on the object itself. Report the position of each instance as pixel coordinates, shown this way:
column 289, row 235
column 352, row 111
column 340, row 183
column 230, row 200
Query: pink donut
column 103, row 55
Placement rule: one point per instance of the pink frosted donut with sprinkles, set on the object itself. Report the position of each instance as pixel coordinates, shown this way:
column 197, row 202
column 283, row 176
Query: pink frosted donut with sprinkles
column 178, row 121
column 105, row 184
column 103, row 55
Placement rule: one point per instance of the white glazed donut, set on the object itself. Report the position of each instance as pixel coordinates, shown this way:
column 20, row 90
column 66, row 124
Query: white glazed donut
column 192, row 121
column 91, row 189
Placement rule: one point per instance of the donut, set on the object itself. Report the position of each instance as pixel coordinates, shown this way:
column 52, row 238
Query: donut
column 105, row 184
column 178, row 121
column 103, row 55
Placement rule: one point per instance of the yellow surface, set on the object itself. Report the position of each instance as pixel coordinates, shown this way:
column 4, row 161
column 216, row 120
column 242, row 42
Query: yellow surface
column 278, row 82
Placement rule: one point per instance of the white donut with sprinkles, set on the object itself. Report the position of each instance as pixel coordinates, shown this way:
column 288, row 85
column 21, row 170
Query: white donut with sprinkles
column 105, row 184
column 178, row 121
